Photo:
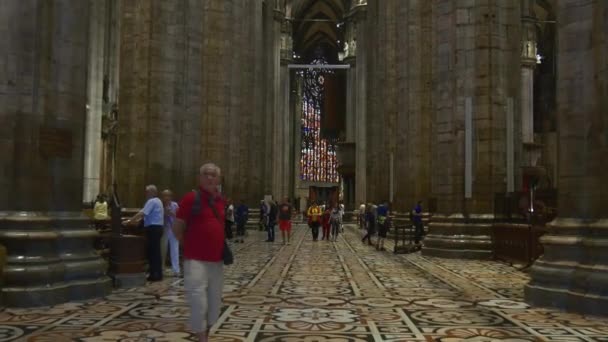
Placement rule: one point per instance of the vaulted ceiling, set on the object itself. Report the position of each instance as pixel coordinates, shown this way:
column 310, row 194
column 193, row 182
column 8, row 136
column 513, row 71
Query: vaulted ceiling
column 315, row 23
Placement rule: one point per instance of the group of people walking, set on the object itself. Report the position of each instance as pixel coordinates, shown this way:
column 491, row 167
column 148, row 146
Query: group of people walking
column 203, row 220
column 238, row 216
column 272, row 213
column 329, row 218
column 376, row 219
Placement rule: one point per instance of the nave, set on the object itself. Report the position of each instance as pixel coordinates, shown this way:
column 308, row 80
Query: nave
column 321, row 291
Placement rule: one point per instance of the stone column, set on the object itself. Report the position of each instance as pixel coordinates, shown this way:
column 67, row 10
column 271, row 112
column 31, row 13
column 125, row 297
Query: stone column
column 285, row 117
column 528, row 62
column 43, row 96
column 531, row 148
column 347, row 171
column 380, row 99
column 475, row 58
column 277, row 133
column 572, row 274
column 160, row 96
column 414, row 113
column 95, row 84
column 255, row 144
column 359, row 47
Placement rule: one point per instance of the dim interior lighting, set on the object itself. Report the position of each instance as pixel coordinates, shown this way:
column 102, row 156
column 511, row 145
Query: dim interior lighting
column 539, row 59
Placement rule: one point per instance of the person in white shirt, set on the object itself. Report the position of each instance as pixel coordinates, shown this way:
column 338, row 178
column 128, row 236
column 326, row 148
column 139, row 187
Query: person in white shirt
column 168, row 236
column 153, row 214
column 362, row 216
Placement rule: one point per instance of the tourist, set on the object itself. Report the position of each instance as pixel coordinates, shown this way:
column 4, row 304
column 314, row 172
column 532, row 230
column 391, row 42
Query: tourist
column 370, row 224
column 153, row 214
column 362, row 216
column 417, row 220
column 341, row 208
column 382, row 220
column 100, row 209
column 168, row 236
column 263, row 216
column 325, row 222
column 241, row 217
column 229, row 213
column 273, row 211
column 336, row 222
column 285, row 211
column 314, row 219
column 200, row 227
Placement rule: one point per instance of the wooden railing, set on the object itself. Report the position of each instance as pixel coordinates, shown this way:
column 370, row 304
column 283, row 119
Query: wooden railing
column 516, row 233
column 517, row 243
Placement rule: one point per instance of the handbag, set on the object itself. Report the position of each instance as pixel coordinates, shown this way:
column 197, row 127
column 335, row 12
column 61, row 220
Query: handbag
column 227, row 255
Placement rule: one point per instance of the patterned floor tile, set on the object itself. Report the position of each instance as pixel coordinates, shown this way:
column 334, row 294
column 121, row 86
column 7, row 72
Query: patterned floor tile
column 320, row 291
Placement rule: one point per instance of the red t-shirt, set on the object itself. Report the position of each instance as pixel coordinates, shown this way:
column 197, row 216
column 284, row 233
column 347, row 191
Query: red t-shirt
column 204, row 237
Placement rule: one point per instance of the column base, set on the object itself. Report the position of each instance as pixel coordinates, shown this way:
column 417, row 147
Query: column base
column 129, row 280
column 457, row 237
column 50, row 259
column 572, row 273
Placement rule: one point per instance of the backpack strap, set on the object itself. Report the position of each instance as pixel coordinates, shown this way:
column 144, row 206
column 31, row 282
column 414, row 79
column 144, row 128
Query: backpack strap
column 211, row 203
column 196, row 206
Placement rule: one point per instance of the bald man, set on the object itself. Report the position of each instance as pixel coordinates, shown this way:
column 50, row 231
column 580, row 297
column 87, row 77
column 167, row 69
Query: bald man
column 168, row 236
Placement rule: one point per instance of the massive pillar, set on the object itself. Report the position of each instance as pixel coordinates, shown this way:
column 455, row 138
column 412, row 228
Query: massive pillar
column 151, row 95
column 102, row 97
column 414, row 113
column 528, row 62
column 43, row 96
column 94, row 108
column 279, row 132
column 285, row 111
column 476, row 53
column 572, row 272
column 360, row 49
column 381, row 101
column 347, row 150
column 255, row 107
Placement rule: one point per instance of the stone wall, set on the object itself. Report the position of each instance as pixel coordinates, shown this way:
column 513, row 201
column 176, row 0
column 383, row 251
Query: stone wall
column 414, row 100
column 190, row 93
column 429, row 61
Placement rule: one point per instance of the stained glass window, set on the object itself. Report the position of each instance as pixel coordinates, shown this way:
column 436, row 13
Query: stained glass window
column 318, row 161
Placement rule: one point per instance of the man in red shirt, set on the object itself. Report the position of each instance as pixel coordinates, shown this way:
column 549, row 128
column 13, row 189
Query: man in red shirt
column 202, row 236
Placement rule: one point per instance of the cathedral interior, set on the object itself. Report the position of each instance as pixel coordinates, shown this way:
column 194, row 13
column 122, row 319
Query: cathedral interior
column 492, row 114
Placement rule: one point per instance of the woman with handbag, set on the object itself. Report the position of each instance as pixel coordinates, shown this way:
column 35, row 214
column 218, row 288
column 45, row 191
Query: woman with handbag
column 200, row 228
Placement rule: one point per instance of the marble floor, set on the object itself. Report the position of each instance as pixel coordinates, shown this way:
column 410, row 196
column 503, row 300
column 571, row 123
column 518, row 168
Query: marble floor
column 321, row 291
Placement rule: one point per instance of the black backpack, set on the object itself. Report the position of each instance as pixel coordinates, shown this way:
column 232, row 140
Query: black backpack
column 274, row 210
